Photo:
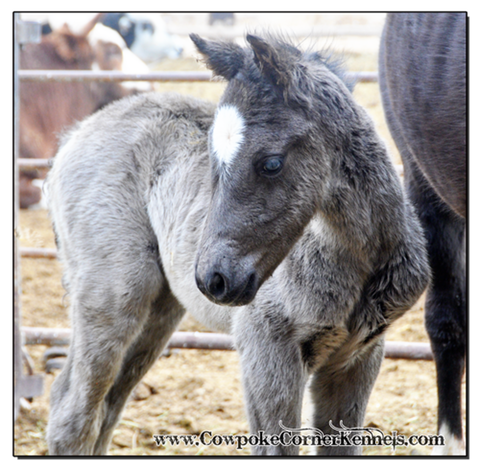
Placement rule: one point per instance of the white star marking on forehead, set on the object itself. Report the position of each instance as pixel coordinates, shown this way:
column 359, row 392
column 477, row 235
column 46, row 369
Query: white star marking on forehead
column 227, row 134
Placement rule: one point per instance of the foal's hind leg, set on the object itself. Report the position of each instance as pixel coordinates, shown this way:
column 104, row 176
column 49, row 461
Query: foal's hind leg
column 340, row 394
column 164, row 317
column 76, row 398
column 109, row 310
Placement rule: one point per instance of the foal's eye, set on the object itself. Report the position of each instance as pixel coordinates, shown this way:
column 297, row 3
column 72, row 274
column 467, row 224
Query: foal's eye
column 271, row 166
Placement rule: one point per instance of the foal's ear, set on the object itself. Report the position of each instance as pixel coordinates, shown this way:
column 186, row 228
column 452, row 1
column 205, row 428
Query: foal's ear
column 223, row 58
column 276, row 64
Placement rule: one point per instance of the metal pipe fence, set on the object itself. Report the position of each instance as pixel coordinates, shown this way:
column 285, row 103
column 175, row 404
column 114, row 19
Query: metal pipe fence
column 159, row 76
column 216, row 341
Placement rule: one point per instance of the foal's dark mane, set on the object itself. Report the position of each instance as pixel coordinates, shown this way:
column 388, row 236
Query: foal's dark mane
column 334, row 61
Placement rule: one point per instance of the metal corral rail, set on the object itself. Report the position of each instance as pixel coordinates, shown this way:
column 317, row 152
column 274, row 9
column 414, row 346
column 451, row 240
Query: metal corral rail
column 117, row 76
column 215, row 341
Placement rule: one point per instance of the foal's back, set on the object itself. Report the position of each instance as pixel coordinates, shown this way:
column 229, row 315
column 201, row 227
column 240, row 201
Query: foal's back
column 99, row 189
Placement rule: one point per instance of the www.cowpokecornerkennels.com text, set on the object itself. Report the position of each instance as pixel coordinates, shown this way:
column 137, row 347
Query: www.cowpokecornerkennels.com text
column 344, row 436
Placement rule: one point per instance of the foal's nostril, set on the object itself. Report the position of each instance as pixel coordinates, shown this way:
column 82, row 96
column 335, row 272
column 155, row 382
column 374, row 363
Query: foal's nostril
column 217, row 286
column 221, row 289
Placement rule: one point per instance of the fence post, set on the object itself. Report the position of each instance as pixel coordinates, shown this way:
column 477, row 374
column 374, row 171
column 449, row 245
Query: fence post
column 24, row 385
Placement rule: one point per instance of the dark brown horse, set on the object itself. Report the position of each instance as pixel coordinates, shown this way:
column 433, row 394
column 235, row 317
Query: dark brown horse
column 423, row 85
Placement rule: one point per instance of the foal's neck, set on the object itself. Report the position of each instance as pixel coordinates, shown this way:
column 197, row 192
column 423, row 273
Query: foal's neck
column 364, row 203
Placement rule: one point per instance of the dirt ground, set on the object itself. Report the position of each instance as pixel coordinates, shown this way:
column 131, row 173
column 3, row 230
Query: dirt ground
column 189, row 391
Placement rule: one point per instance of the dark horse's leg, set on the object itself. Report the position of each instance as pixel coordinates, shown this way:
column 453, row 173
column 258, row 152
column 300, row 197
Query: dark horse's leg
column 446, row 300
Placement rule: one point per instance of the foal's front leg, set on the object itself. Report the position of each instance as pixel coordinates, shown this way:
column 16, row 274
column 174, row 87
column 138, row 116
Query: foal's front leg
column 273, row 376
column 340, row 393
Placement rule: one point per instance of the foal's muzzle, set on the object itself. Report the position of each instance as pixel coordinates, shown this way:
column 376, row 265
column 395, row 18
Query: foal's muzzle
column 226, row 287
